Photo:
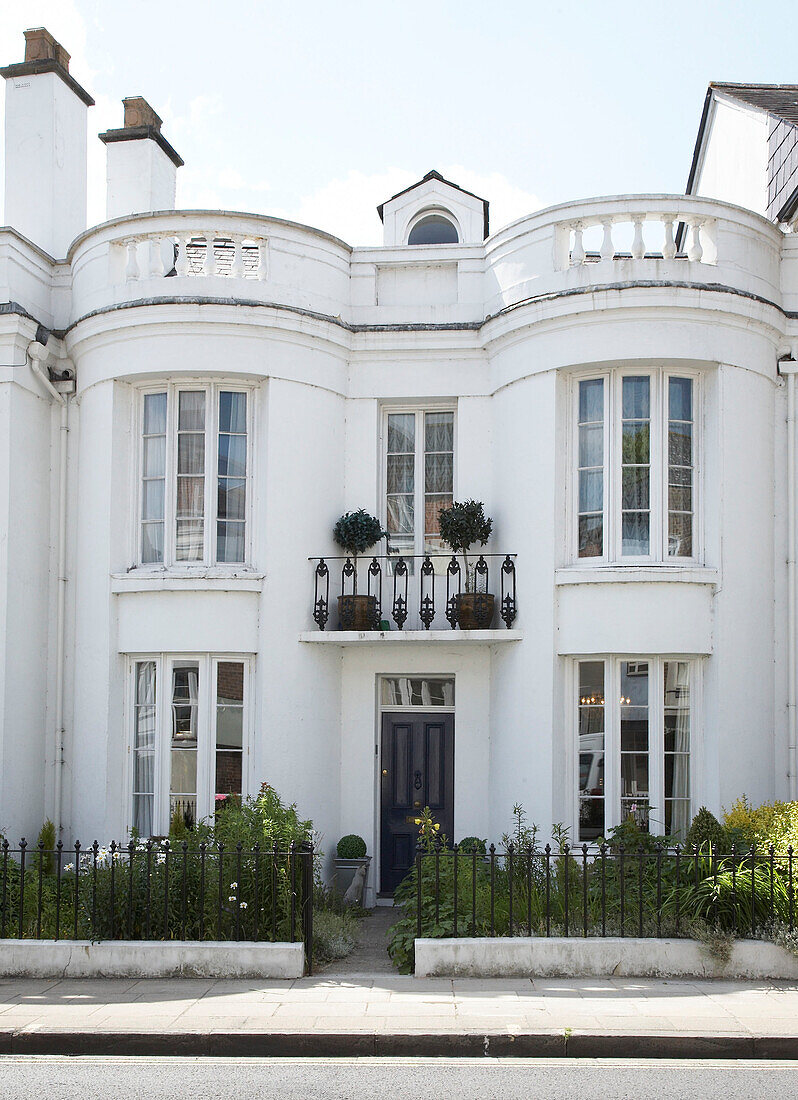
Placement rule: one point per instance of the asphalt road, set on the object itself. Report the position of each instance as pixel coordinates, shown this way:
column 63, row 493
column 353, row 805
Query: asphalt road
column 65, row 1078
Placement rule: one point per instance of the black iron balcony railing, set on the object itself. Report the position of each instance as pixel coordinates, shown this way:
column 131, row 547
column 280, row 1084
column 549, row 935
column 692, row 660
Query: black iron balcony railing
column 417, row 593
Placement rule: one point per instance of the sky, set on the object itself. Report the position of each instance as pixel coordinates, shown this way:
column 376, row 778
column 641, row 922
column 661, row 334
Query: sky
column 319, row 111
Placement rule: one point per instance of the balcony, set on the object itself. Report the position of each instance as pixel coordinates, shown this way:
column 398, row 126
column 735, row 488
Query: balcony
column 421, row 598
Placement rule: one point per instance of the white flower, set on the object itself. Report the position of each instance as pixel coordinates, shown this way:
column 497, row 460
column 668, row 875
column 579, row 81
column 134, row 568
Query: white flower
column 233, row 885
column 69, row 867
column 232, row 897
column 243, row 905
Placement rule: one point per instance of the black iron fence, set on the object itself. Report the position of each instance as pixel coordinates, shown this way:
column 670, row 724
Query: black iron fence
column 157, row 890
column 413, row 590
column 599, row 891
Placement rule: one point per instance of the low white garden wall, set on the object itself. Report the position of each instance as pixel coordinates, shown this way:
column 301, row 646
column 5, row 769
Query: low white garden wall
column 598, row 958
column 149, row 959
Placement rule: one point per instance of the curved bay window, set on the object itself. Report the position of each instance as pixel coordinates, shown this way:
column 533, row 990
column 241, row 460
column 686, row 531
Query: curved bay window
column 194, row 471
column 189, row 738
column 634, row 743
column 635, row 451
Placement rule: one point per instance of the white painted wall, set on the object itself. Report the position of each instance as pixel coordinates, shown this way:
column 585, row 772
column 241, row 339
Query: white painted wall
column 733, row 166
column 140, row 177
column 45, row 175
column 521, row 322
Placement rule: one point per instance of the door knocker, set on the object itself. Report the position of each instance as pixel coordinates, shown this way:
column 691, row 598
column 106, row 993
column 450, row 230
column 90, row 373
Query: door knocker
column 417, row 783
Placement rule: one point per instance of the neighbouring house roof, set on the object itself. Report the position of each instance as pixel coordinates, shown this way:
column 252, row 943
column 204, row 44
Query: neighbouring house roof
column 780, row 102
column 433, row 175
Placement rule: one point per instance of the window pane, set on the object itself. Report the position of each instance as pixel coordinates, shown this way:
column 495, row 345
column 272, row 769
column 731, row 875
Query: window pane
column 229, row 541
column 636, row 542
column 591, row 446
column 591, row 536
column 634, row 489
column 155, row 456
column 591, row 490
column 676, row 716
column 634, row 732
column 233, row 412
column 680, row 467
column 190, row 496
column 401, row 433
column 405, row 691
column 144, row 747
column 438, row 473
column 401, row 473
column 191, row 453
column 591, row 401
column 590, row 470
column 152, row 500
column 229, row 727
column 154, row 413
column 191, row 410
column 232, row 498
column 680, row 399
column 189, row 541
column 636, row 442
column 142, row 814
column 636, row 401
column 232, row 455
column 228, row 773
column 439, row 431
column 152, row 543
column 591, row 711
column 400, row 515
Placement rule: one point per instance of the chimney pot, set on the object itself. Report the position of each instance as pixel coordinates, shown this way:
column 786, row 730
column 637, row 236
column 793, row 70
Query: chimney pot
column 139, row 113
column 41, row 46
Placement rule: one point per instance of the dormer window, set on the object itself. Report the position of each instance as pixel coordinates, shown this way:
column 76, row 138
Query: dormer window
column 433, row 229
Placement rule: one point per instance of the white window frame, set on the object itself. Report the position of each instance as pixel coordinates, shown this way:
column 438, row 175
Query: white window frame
column 612, row 736
column 658, row 465
column 212, row 390
column 206, row 731
column 418, row 411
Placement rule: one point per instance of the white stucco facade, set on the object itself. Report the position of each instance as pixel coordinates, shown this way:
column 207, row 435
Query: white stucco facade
column 327, row 342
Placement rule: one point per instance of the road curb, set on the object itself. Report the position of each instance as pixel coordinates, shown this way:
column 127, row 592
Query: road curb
column 316, row 1044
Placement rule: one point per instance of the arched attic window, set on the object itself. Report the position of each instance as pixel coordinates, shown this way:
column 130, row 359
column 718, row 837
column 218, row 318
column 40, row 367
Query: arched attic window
column 433, row 229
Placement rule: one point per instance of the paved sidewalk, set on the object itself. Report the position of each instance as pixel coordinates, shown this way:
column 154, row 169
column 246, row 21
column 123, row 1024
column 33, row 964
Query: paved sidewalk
column 395, row 1015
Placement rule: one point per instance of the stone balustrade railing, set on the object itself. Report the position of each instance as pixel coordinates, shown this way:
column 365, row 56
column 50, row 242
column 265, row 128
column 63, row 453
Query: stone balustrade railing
column 195, row 254
column 610, row 236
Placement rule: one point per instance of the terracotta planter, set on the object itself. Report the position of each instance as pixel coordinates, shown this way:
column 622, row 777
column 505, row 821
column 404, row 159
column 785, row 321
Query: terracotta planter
column 358, row 612
column 475, row 610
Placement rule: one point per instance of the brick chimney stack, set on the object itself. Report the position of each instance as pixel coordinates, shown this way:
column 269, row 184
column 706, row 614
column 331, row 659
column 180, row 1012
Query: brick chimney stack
column 45, row 145
column 142, row 165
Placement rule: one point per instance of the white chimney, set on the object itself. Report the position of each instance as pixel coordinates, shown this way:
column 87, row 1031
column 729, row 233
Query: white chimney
column 45, row 185
column 142, row 165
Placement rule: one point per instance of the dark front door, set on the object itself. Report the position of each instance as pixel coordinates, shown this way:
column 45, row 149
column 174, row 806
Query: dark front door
column 417, row 771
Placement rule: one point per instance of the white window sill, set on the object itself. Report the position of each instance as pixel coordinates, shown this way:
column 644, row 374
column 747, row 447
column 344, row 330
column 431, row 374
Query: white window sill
column 636, row 574
column 201, row 580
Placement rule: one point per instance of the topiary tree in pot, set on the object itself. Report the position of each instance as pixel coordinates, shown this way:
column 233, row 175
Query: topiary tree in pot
column 350, row 858
column 356, row 532
column 463, row 525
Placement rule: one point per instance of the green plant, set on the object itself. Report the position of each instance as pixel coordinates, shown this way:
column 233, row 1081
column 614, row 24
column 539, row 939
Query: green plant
column 773, row 823
column 334, row 934
column 351, row 847
column 470, row 844
column 706, row 829
column 46, row 844
column 523, row 837
column 356, row 532
column 715, row 941
column 461, row 526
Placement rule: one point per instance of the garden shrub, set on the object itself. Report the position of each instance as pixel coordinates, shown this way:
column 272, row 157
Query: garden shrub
column 773, row 823
column 351, row 847
column 706, row 829
column 471, row 844
column 46, row 842
column 334, row 934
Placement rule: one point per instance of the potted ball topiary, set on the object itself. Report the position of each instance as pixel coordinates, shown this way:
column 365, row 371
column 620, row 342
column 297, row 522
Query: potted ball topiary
column 463, row 525
column 357, row 532
column 350, row 857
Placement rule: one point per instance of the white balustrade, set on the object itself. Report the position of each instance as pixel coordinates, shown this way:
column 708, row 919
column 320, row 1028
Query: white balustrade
column 636, row 235
column 201, row 254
